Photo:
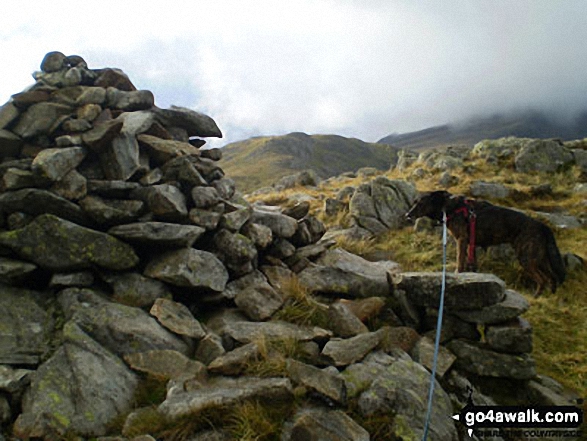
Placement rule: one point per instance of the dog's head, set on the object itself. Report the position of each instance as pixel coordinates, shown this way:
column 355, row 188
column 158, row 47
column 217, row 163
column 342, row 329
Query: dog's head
column 429, row 204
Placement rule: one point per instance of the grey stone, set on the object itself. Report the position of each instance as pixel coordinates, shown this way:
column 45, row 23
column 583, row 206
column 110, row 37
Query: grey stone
column 342, row 352
column 207, row 219
column 542, row 156
column 12, row 270
column 41, row 119
column 209, row 348
column 340, row 272
column 259, row 302
column 395, row 390
column 112, row 189
column 26, row 327
column 34, row 201
column 512, row 306
column 73, row 186
column 76, row 279
column 75, row 125
column 205, row 197
column 177, row 318
column 305, row 178
column 158, row 233
column 464, row 291
column 343, row 322
column 53, row 62
column 489, row 190
column 324, row 425
column 195, row 123
column 324, row 383
column 236, row 248
column 332, row 207
column 16, row 179
column 130, row 101
column 119, row 328
column 88, row 112
column 120, row 158
column 60, row 245
column 189, row 268
column 14, row 380
column 247, row 332
column 81, row 389
column 108, row 212
column 514, row 336
column 226, row 392
column 10, row 144
column 134, row 289
column 163, row 150
column 165, row 364
column 562, row 221
column 280, row 225
column 102, row 134
column 423, row 353
column 261, row 235
column 235, row 219
column 8, row 113
column 480, row 360
column 235, row 361
column 167, row 202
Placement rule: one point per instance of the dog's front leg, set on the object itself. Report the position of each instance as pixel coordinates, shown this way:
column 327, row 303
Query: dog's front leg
column 461, row 255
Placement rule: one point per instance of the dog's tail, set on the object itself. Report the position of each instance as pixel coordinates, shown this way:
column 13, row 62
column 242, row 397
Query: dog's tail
column 557, row 265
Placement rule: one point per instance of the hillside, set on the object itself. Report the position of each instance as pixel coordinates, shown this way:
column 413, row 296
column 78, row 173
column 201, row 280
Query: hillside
column 260, row 161
column 522, row 125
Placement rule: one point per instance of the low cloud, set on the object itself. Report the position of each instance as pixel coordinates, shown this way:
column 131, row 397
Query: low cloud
column 264, row 67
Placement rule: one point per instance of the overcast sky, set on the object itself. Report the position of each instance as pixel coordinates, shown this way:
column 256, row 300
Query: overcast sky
column 356, row 68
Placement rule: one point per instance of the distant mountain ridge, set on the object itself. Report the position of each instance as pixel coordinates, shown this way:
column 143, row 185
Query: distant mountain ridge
column 531, row 124
column 261, row 161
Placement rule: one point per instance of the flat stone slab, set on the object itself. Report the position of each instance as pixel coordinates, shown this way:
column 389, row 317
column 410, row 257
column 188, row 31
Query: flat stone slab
column 513, row 337
column 158, row 233
column 343, row 352
column 234, row 362
column 59, row 245
column 464, row 291
column 177, row 318
column 480, row 360
column 189, row 268
column 325, row 425
column 226, row 392
column 165, row 364
column 324, row 383
column 512, row 306
column 246, row 332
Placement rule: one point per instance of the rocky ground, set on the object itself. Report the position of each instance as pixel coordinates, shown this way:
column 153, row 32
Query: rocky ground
column 143, row 296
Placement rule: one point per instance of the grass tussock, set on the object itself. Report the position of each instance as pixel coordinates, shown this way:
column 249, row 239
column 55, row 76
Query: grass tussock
column 300, row 307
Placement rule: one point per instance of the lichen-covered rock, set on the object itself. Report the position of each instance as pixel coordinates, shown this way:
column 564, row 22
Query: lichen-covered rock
column 235, row 361
column 25, row 327
column 60, row 245
column 543, row 156
column 189, row 268
column 512, row 306
column 81, row 389
column 324, row 425
column 464, row 291
column 322, row 382
column 342, row 352
column 177, row 318
column 480, row 360
column 340, row 272
column 158, row 234
column 165, row 364
column 225, row 392
column 514, row 336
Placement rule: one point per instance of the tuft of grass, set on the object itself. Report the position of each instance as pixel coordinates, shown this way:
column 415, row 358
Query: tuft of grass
column 300, row 307
column 253, row 421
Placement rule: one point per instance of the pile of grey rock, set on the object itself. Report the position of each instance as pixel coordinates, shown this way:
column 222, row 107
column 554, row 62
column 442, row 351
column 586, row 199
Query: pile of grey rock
column 126, row 255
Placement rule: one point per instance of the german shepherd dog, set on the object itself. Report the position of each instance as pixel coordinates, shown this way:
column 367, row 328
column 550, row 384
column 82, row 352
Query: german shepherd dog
column 532, row 240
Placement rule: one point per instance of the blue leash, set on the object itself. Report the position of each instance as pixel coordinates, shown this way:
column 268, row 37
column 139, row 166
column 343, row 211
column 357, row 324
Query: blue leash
column 438, row 329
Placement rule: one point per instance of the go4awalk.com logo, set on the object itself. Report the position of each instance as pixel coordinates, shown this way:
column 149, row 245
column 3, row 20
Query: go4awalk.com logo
column 557, row 419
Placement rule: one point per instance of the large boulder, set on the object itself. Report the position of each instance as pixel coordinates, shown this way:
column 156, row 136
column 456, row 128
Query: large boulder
column 81, row 389
column 59, row 245
column 543, row 156
column 381, row 205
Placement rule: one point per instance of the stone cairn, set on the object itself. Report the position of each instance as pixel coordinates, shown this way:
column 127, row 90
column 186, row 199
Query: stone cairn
column 117, row 230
